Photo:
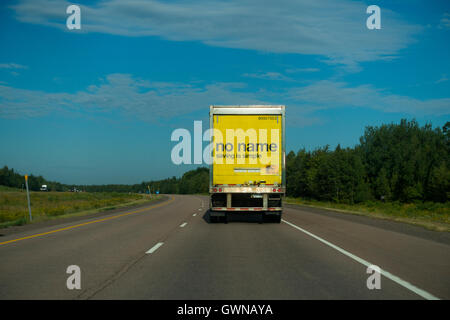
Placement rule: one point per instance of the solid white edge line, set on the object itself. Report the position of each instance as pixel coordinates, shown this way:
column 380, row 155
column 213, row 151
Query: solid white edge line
column 182, row 225
column 155, row 247
column 388, row 275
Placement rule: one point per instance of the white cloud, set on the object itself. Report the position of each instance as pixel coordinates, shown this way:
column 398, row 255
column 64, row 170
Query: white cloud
column 445, row 21
column 330, row 94
column 12, row 66
column 267, row 76
column 442, row 79
column 302, row 70
column 161, row 101
column 138, row 98
column 335, row 30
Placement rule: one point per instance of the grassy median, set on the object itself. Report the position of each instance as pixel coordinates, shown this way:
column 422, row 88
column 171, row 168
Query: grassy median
column 50, row 205
column 431, row 215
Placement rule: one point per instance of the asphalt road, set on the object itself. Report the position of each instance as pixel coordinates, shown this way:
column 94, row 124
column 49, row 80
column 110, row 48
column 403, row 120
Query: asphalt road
column 169, row 250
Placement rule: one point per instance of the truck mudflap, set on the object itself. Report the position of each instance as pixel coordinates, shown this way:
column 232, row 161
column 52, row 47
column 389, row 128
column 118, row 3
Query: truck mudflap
column 268, row 210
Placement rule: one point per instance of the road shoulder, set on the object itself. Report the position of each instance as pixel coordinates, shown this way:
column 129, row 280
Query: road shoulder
column 397, row 226
column 68, row 219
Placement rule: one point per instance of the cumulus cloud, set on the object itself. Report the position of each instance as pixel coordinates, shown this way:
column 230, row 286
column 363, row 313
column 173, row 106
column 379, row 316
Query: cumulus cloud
column 333, row 29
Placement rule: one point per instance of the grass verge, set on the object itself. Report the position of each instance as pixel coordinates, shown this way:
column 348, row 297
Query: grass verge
column 52, row 205
column 430, row 215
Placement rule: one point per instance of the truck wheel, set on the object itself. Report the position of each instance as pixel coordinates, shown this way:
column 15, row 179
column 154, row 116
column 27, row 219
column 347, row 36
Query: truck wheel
column 212, row 218
column 277, row 218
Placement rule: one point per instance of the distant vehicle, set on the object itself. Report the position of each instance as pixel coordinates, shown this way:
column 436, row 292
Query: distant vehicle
column 248, row 168
column 44, row 187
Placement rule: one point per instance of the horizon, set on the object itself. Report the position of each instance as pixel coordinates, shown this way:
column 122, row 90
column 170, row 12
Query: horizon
column 203, row 165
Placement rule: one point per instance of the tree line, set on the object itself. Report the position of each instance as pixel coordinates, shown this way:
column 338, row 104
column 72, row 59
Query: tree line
column 194, row 181
column 398, row 162
column 392, row 162
column 11, row 178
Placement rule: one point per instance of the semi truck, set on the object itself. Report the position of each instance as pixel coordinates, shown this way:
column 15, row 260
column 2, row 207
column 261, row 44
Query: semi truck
column 247, row 171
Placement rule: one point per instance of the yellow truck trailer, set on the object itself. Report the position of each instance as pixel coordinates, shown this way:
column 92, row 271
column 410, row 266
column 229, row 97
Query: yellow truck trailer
column 247, row 172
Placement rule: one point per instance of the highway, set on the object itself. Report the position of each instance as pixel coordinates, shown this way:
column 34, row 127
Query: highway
column 170, row 250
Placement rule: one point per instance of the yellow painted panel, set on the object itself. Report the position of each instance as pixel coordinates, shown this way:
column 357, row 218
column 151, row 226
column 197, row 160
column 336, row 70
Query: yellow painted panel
column 247, row 149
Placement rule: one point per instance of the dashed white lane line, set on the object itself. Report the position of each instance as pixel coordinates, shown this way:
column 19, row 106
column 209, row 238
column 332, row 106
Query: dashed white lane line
column 199, row 209
column 155, row 247
column 194, row 214
column 182, row 225
column 388, row 275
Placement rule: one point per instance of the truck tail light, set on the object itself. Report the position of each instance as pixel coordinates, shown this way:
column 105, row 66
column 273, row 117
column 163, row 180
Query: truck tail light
column 279, row 189
column 274, row 190
column 220, row 189
column 215, row 190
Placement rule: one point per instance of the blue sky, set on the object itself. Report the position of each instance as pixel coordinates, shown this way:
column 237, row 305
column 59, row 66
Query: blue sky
column 98, row 105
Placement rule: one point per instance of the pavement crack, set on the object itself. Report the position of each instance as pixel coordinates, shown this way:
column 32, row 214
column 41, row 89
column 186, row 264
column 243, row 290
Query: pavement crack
column 91, row 292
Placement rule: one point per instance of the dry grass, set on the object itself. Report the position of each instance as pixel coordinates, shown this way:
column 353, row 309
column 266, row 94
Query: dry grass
column 433, row 216
column 47, row 205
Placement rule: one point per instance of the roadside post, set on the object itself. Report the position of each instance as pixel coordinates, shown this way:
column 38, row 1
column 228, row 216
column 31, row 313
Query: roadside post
column 28, row 197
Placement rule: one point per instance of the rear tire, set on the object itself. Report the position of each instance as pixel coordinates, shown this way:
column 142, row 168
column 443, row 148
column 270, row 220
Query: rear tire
column 213, row 218
column 274, row 218
column 277, row 218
